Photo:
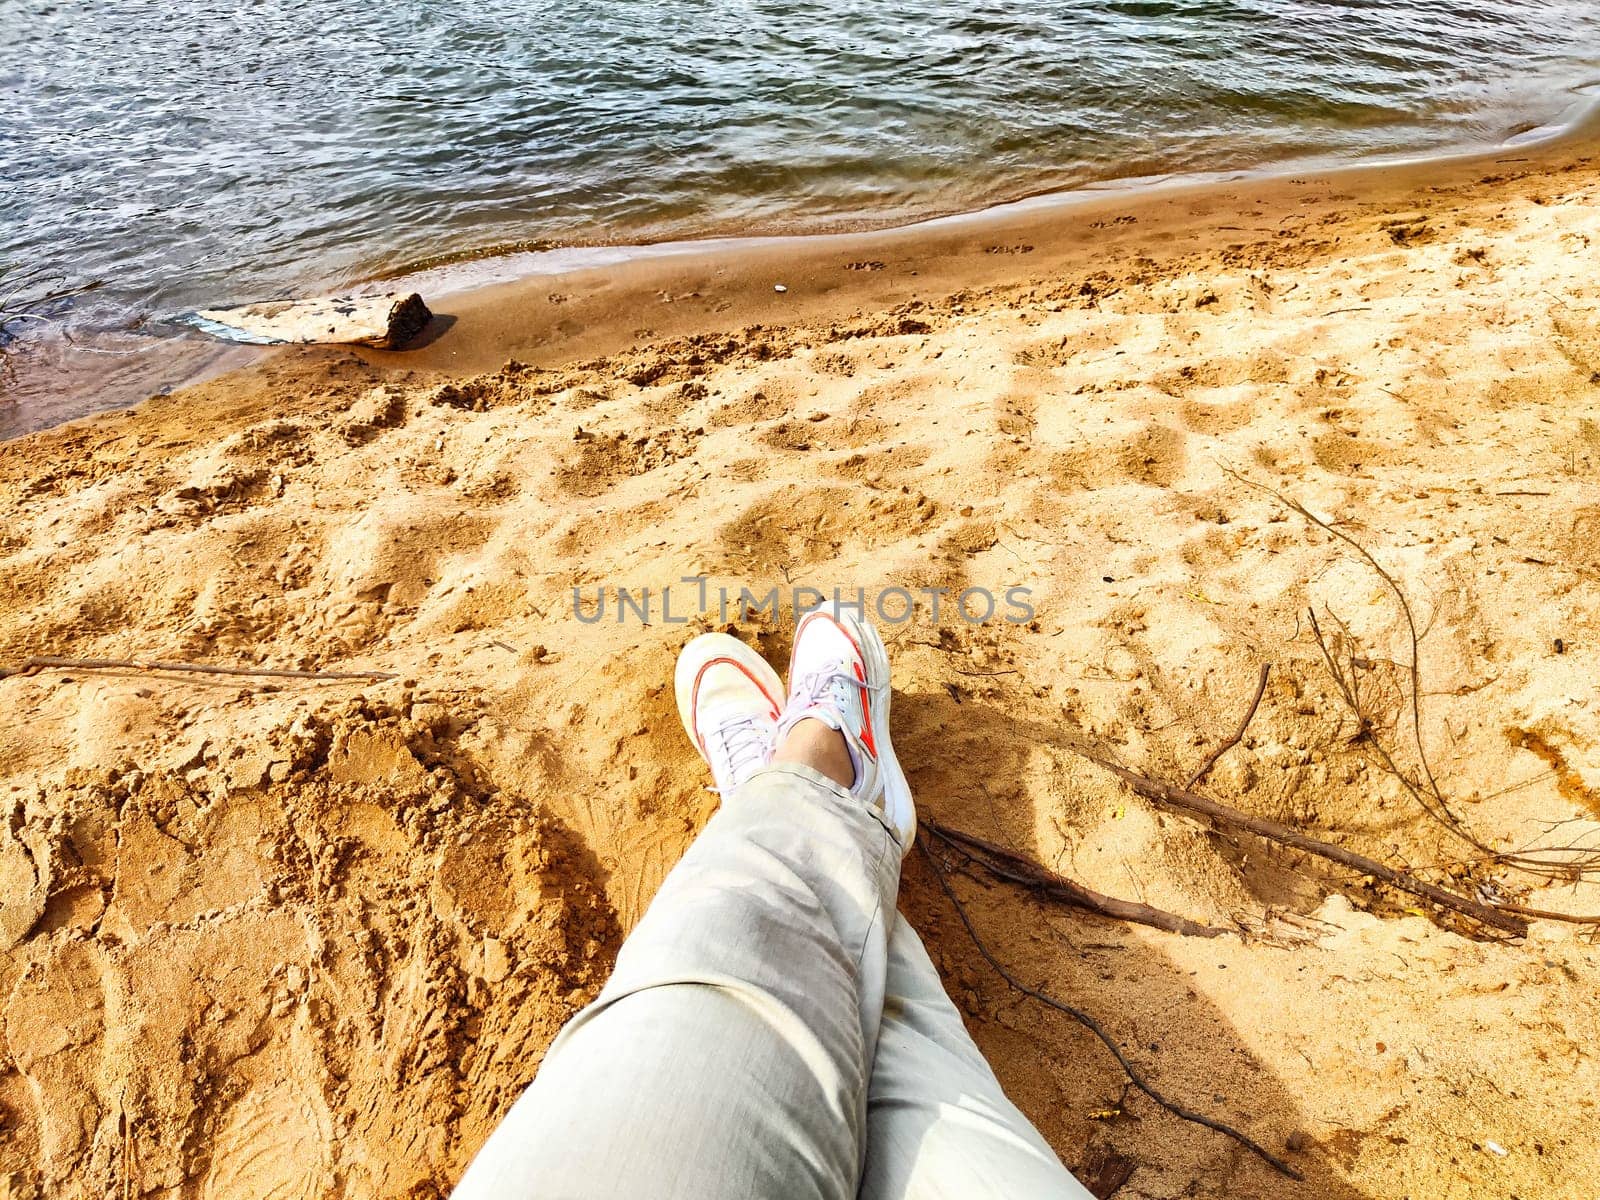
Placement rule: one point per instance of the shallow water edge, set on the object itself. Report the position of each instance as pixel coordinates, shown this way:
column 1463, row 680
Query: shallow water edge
column 498, row 291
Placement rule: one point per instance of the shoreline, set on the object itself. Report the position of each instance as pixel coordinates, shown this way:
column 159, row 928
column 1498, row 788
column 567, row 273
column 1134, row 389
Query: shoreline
column 1579, row 123
column 1061, row 231
column 479, row 284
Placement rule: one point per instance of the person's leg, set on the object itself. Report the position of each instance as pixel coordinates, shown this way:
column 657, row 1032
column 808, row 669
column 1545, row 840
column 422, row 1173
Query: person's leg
column 729, row 1054
column 939, row 1127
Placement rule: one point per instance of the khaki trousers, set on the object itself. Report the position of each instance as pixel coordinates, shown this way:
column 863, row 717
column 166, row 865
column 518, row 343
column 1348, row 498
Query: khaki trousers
column 772, row 1030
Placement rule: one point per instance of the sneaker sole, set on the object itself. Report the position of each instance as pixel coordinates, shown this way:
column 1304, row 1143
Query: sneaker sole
column 898, row 807
column 710, row 648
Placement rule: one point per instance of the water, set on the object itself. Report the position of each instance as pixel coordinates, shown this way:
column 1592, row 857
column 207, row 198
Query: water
column 164, row 154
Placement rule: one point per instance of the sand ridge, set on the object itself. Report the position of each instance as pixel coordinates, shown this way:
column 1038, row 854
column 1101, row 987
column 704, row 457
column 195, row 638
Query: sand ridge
column 308, row 939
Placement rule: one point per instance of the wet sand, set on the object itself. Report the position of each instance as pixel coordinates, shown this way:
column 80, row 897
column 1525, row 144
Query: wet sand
column 310, row 938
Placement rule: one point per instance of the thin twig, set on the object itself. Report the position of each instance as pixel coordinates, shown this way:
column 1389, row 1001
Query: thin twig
column 1013, row 867
column 1250, row 713
column 1349, row 685
column 1430, row 798
column 1541, row 861
column 1414, row 667
column 1077, row 1014
column 140, row 664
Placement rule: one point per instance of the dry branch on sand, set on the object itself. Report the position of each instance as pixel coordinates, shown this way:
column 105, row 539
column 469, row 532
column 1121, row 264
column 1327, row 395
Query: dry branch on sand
column 1233, row 739
column 1344, row 665
column 1135, row 1076
column 43, row 663
column 1014, row 868
column 1570, row 862
column 1507, row 918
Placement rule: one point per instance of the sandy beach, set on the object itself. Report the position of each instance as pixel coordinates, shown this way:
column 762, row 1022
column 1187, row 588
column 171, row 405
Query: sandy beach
column 309, row 938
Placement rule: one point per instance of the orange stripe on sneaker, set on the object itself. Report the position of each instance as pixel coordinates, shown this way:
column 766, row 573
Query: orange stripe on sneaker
column 867, row 739
column 694, row 693
column 838, row 624
column 795, row 645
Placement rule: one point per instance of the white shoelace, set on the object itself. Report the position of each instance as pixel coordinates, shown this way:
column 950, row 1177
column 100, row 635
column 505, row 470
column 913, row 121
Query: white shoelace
column 822, row 696
column 737, row 746
column 819, row 689
column 828, row 689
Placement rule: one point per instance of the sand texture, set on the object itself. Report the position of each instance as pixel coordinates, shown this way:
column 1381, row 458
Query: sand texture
column 279, row 938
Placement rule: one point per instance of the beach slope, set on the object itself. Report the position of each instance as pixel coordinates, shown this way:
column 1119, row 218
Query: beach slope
column 309, row 937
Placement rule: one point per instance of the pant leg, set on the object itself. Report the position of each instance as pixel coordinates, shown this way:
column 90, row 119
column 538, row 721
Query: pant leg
column 729, row 1053
column 939, row 1127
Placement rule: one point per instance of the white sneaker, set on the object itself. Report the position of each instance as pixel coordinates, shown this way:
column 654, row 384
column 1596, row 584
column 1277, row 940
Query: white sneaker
column 839, row 675
column 729, row 698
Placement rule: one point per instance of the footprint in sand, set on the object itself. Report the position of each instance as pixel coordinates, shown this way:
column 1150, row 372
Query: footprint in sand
column 273, row 1146
column 54, row 1028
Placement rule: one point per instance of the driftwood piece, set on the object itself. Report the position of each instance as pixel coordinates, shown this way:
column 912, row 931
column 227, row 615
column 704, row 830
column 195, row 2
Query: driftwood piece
column 388, row 321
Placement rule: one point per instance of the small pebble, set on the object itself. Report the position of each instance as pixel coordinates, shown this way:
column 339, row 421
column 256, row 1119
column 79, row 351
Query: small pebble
column 778, row 287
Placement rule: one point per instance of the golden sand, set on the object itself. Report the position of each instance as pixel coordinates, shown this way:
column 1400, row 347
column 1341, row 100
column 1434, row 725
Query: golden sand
column 276, row 937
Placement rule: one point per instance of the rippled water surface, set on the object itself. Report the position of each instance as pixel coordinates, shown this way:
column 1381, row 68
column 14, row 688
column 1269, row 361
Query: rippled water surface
column 182, row 152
